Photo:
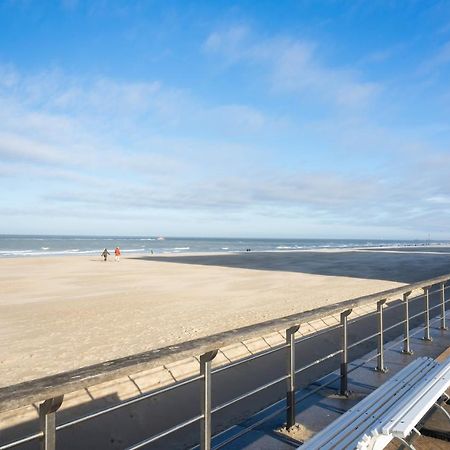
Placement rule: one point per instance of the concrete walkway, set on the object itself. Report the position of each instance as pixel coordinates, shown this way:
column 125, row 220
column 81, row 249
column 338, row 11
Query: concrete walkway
column 323, row 407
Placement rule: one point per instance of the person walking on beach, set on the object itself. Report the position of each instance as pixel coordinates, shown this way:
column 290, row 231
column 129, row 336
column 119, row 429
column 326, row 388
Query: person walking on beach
column 105, row 254
column 117, row 254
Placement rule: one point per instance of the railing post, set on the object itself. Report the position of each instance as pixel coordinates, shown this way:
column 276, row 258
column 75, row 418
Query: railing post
column 406, row 347
column 443, row 325
column 290, row 393
column 344, row 354
column 205, row 422
column 47, row 422
column 380, row 358
column 426, row 328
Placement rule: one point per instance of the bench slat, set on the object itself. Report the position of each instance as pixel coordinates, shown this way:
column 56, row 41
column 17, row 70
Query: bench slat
column 322, row 439
column 369, row 418
column 437, row 385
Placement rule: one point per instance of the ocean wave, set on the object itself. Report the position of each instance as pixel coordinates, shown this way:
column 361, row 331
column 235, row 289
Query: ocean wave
column 46, row 253
column 181, row 248
column 15, row 252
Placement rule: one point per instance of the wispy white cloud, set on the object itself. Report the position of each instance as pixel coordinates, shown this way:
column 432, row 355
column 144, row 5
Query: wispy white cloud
column 292, row 65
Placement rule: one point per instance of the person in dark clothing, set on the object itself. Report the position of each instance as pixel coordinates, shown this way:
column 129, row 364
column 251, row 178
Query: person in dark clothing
column 105, row 254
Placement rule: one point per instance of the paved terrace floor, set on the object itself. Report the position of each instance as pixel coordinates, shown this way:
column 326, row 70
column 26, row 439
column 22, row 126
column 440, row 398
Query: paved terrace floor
column 323, row 407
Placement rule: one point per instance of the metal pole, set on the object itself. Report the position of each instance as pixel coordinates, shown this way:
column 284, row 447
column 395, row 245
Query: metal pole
column 205, row 422
column 406, row 348
column 443, row 325
column 290, row 393
column 380, row 359
column 344, row 354
column 47, row 422
column 426, row 330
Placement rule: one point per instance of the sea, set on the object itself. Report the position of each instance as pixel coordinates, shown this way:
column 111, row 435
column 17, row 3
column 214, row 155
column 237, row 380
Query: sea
column 26, row 246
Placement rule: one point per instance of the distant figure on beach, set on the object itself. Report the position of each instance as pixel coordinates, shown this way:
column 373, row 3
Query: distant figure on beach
column 117, row 254
column 105, row 254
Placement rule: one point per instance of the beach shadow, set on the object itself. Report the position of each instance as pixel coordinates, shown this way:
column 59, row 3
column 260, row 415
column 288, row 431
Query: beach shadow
column 404, row 267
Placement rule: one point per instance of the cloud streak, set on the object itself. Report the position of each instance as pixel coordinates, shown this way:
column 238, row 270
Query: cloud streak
column 293, row 65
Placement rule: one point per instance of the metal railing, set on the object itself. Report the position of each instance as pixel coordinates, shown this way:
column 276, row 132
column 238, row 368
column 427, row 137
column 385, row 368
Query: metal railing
column 50, row 391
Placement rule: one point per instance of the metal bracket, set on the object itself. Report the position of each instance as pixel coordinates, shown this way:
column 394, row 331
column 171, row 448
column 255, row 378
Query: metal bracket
column 443, row 410
column 51, row 405
column 406, row 444
column 346, row 313
column 208, row 356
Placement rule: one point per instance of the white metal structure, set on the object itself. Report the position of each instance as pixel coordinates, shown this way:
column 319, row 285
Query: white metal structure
column 390, row 412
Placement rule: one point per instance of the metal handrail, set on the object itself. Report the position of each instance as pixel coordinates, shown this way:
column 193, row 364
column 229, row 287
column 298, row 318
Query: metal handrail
column 24, row 388
column 165, row 433
column 249, row 393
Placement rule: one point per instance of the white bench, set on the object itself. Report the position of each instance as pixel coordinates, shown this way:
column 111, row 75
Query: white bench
column 390, row 412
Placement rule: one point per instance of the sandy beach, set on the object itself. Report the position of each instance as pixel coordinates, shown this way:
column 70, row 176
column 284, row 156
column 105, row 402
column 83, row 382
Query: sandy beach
column 60, row 313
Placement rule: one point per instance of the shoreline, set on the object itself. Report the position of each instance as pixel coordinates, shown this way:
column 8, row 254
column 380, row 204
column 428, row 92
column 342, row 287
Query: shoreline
column 130, row 253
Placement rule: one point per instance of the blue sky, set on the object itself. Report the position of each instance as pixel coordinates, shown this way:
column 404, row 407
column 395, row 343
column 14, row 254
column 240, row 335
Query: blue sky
column 255, row 119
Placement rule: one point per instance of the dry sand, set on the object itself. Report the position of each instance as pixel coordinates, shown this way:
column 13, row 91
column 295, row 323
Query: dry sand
column 60, row 313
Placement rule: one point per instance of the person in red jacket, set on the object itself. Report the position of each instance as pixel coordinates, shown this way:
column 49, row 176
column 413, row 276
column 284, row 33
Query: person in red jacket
column 117, row 254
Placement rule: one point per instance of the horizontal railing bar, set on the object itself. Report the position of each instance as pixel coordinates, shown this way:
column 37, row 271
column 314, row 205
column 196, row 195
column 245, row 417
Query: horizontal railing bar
column 249, row 358
column 314, row 334
column 435, row 306
column 317, row 389
column 165, row 433
column 421, row 313
column 420, row 330
column 128, row 402
column 362, row 363
column 363, row 340
column 318, row 361
column 249, row 393
column 26, row 393
column 21, row 441
column 395, row 325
